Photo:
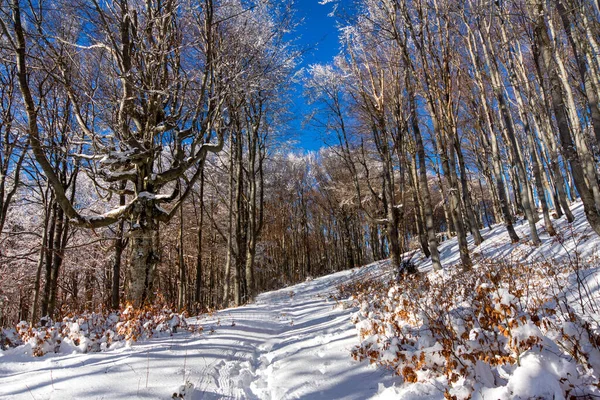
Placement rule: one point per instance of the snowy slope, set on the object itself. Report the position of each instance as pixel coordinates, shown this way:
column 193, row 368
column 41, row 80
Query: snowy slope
column 573, row 240
column 557, row 358
column 291, row 343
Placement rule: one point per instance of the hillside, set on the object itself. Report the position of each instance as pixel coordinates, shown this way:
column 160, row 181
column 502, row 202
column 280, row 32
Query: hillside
column 291, row 343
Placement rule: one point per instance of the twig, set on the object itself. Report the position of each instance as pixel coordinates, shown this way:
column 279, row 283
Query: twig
column 147, row 367
column 184, row 364
column 30, row 392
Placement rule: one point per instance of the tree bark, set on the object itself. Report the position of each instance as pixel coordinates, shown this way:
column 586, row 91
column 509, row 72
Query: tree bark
column 424, row 191
column 181, row 264
column 507, row 126
column 198, row 289
column 120, row 243
column 543, row 50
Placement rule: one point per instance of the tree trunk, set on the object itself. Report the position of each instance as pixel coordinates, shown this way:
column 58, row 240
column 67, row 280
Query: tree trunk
column 48, row 260
column 450, row 231
column 120, row 243
column 144, row 254
column 550, row 140
column 254, row 223
column 495, row 150
column 537, row 175
column 424, row 192
column 542, row 50
column 230, row 205
column 578, row 51
column 40, row 264
column 466, row 194
column 198, row 289
column 418, row 209
column 239, row 239
column 181, row 264
column 61, row 237
column 449, row 169
column 529, row 133
column 507, row 126
column 585, row 155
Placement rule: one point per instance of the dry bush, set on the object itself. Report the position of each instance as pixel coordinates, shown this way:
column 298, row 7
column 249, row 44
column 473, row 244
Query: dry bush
column 93, row 332
column 473, row 327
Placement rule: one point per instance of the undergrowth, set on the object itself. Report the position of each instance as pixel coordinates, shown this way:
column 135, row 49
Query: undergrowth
column 93, row 331
column 489, row 328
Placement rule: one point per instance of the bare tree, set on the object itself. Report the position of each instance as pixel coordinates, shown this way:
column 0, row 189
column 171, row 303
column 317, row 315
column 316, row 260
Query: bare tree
column 172, row 71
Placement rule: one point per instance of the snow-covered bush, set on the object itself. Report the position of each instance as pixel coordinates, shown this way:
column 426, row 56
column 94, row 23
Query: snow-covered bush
column 93, row 332
column 503, row 330
column 8, row 338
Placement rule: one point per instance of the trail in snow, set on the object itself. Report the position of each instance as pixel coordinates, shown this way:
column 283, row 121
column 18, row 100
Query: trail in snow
column 291, row 343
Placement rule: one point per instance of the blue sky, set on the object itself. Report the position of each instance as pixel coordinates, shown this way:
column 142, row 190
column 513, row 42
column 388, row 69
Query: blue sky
column 319, row 36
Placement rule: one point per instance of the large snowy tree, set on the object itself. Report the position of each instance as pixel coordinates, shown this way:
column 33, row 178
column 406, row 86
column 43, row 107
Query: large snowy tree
column 147, row 84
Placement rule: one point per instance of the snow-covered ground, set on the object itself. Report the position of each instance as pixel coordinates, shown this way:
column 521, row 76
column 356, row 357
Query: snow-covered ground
column 291, row 343
column 524, row 324
column 576, row 240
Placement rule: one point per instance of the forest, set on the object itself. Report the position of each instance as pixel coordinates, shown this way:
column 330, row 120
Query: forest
column 146, row 156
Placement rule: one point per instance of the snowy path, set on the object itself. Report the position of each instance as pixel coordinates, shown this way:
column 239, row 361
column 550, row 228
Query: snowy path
column 291, row 343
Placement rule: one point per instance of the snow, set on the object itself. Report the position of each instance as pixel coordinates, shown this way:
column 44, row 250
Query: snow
column 297, row 343
column 571, row 239
column 537, row 376
column 114, row 213
column 291, row 343
column 152, row 196
column 117, row 157
column 528, row 330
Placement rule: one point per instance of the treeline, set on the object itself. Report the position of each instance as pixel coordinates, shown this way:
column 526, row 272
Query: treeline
column 305, row 231
column 144, row 159
column 140, row 164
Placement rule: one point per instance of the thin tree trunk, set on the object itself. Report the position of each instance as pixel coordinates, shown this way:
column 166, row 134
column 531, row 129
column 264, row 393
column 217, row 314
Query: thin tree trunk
column 48, row 259
column 450, row 231
column 198, row 289
column 537, row 175
column 449, row 169
column 40, row 264
column 507, row 126
column 543, row 50
column 237, row 278
column 424, row 191
column 529, row 133
column 181, row 263
column 503, row 199
column 230, row 256
column 418, row 208
column 552, row 146
column 466, row 196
